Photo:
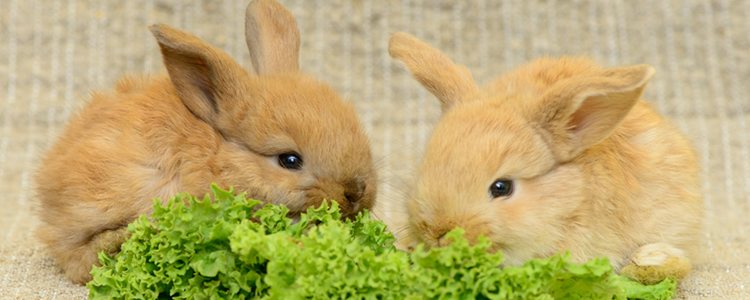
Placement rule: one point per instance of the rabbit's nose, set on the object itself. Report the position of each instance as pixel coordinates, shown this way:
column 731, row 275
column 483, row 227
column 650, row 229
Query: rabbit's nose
column 354, row 191
column 441, row 240
column 351, row 197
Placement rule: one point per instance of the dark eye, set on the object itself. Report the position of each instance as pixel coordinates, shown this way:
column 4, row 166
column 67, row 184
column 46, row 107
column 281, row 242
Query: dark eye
column 291, row 161
column 501, row 188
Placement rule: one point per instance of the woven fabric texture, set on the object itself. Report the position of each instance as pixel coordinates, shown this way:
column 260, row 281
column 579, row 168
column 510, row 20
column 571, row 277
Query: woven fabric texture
column 53, row 53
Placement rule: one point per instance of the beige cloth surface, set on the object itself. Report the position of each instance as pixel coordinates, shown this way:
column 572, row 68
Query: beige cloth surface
column 52, row 53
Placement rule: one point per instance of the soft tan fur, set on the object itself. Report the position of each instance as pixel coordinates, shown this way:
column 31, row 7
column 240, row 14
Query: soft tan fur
column 208, row 121
column 596, row 170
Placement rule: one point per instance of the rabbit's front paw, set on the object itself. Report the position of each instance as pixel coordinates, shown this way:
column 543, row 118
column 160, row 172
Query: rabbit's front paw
column 110, row 241
column 655, row 262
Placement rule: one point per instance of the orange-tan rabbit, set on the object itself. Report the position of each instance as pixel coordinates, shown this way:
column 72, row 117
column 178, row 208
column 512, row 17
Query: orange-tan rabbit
column 559, row 154
column 275, row 133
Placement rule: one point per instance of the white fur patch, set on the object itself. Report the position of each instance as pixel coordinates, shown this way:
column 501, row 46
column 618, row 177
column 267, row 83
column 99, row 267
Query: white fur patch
column 655, row 254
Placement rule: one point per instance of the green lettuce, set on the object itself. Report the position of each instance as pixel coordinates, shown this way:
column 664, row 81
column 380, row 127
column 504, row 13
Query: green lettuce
column 238, row 248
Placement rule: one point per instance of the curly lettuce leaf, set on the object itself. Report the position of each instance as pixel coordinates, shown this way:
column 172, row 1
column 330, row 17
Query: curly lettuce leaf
column 238, row 248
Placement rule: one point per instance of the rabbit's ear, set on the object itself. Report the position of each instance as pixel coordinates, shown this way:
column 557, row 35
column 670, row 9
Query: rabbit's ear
column 579, row 112
column 449, row 82
column 272, row 37
column 201, row 74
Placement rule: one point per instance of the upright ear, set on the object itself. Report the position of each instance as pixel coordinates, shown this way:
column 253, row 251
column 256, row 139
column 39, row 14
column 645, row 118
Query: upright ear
column 272, row 37
column 202, row 75
column 449, row 82
column 579, row 112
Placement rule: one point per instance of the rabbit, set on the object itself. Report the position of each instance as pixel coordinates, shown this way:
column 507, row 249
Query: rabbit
column 558, row 155
column 275, row 133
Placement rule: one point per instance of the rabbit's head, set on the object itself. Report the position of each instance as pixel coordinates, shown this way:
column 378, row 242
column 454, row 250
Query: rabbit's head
column 502, row 162
column 285, row 136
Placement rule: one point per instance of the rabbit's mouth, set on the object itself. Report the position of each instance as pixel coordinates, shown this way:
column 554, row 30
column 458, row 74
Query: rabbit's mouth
column 499, row 246
column 295, row 216
column 315, row 197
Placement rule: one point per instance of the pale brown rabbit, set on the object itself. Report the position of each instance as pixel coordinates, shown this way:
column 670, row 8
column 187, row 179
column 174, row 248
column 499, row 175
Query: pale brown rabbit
column 275, row 133
column 559, row 154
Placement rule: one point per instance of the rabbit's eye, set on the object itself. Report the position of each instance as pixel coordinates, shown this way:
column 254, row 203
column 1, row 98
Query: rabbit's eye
column 501, row 188
column 291, row 161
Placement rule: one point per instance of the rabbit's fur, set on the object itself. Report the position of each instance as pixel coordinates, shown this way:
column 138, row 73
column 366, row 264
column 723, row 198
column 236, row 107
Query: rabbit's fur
column 596, row 170
column 209, row 121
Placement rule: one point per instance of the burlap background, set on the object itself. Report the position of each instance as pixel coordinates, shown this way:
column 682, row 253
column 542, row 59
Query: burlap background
column 53, row 52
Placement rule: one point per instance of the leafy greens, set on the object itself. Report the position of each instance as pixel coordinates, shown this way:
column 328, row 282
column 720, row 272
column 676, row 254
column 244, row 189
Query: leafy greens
column 238, row 248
